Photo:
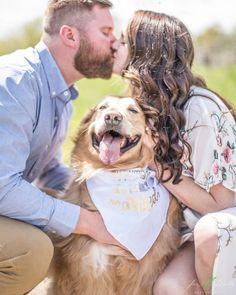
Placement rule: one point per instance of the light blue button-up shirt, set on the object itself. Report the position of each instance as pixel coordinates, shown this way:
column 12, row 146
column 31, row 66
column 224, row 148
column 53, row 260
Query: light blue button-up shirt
column 35, row 107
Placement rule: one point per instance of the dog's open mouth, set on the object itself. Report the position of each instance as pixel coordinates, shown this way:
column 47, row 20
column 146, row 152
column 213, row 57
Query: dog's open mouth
column 111, row 145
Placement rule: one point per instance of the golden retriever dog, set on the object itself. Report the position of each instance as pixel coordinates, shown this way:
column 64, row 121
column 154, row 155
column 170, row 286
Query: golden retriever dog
column 110, row 137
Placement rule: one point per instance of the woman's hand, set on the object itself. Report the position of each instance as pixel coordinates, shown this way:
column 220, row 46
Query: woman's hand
column 150, row 143
column 148, row 138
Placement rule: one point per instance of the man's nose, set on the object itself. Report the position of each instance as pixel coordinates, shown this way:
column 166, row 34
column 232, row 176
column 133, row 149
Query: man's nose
column 113, row 118
column 115, row 45
column 114, row 42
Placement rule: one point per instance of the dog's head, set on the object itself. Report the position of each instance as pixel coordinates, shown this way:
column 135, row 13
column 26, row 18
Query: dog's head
column 112, row 135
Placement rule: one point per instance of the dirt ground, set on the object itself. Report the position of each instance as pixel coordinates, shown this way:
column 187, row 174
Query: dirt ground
column 41, row 288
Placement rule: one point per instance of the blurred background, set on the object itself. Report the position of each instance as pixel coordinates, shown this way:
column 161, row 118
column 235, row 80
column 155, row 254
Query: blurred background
column 212, row 24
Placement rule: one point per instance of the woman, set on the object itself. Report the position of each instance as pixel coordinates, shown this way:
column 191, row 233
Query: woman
column 195, row 132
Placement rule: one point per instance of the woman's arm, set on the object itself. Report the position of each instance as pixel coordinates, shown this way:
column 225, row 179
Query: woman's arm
column 210, row 133
column 197, row 198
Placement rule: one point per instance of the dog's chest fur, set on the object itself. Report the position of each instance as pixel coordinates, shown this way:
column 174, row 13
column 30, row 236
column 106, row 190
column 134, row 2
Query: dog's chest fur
column 81, row 262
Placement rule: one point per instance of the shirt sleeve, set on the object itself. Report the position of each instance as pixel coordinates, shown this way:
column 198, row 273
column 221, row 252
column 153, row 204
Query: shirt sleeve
column 18, row 198
column 56, row 175
column 211, row 132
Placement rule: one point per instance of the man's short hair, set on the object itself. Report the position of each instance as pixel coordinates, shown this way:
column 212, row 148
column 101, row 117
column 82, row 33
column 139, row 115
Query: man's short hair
column 68, row 12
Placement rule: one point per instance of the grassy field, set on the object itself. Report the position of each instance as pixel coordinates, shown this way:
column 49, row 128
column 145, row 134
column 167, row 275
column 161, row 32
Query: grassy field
column 220, row 79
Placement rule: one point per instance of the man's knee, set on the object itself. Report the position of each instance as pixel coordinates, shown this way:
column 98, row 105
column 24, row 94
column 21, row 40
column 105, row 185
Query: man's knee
column 39, row 256
column 24, row 258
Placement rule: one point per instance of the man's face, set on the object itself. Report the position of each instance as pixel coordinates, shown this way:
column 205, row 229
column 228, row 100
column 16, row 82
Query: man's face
column 95, row 56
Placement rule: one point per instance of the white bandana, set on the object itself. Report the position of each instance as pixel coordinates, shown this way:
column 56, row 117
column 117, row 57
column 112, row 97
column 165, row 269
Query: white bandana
column 133, row 206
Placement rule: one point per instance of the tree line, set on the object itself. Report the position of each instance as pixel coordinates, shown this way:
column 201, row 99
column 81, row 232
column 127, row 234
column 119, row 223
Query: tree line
column 212, row 47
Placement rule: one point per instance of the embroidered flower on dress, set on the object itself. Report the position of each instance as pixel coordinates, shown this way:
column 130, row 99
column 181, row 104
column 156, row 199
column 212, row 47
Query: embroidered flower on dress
column 219, row 143
column 219, row 140
column 216, row 169
column 227, row 154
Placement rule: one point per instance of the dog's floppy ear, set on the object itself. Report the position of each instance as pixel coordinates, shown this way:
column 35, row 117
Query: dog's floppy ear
column 87, row 118
column 80, row 138
column 84, row 124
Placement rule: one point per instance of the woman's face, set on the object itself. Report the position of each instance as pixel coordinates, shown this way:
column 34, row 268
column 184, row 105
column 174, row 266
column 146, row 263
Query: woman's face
column 121, row 56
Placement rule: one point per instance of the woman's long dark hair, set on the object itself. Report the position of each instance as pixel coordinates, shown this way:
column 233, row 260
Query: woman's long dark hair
column 159, row 65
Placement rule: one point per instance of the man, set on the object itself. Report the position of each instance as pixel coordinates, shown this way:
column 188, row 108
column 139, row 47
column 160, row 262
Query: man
column 36, row 89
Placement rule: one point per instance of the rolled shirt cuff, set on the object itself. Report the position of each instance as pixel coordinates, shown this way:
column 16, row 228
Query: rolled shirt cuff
column 64, row 218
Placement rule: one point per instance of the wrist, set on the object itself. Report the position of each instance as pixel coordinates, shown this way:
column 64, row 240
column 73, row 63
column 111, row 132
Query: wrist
column 82, row 224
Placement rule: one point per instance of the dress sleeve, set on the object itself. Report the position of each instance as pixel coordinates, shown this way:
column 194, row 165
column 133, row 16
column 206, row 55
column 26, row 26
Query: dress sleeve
column 211, row 132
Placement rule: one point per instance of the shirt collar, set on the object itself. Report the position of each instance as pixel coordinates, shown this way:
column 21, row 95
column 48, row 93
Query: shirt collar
column 56, row 82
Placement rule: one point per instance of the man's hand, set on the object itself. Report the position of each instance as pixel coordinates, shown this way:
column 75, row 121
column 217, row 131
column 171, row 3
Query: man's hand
column 90, row 223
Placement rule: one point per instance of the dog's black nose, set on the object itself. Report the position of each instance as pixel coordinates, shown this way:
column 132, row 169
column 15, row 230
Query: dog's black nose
column 113, row 119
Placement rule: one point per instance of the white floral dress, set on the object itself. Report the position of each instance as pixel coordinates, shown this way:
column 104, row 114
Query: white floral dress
column 210, row 129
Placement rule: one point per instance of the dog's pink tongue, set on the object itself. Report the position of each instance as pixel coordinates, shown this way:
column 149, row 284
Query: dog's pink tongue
column 109, row 149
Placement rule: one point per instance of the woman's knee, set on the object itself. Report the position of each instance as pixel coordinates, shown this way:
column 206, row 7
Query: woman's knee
column 169, row 285
column 179, row 277
column 206, row 238
column 166, row 286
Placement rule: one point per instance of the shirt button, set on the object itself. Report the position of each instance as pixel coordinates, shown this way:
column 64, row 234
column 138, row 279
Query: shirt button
column 66, row 93
column 53, row 93
column 46, row 147
column 54, row 232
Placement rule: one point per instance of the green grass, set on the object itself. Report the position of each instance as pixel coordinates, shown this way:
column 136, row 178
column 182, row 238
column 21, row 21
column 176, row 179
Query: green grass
column 220, row 79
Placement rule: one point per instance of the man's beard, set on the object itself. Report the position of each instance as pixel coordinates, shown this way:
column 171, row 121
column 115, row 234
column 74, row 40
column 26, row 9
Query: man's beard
column 92, row 64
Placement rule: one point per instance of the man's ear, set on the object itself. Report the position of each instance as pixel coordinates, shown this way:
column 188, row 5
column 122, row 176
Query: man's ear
column 69, row 36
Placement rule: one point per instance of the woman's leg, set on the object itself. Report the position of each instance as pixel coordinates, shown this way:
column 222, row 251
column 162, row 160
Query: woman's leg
column 179, row 277
column 215, row 252
column 206, row 243
column 25, row 256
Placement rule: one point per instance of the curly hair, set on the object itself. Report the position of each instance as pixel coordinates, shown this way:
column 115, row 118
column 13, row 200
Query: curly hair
column 161, row 54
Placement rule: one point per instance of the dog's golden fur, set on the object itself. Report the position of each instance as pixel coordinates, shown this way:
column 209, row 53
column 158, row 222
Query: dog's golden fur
column 82, row 265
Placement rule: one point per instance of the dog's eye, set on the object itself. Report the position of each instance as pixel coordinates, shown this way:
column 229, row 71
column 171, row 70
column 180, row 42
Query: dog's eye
column 103, row 107
column 134, row 111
